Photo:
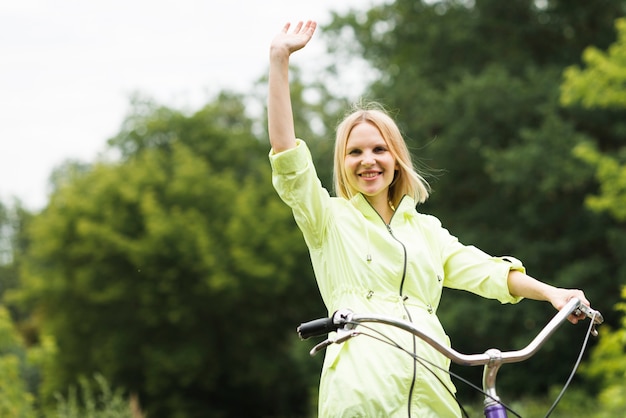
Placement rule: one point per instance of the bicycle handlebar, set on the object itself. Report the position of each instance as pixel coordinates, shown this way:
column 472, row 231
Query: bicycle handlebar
column 345, row 321
column 316, row 328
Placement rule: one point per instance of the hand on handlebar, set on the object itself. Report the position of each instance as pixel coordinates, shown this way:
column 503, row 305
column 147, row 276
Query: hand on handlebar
column 560, row 297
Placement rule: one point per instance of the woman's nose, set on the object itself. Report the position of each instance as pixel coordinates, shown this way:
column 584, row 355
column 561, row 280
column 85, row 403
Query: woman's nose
column 368, row 160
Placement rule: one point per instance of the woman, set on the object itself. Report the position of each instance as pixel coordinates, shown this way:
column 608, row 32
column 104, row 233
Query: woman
column 373, row 252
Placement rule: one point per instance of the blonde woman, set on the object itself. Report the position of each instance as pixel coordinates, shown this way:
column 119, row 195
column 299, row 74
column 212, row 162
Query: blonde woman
column 372, row 251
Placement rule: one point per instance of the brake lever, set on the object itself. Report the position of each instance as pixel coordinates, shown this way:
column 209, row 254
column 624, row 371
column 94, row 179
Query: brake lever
column 592, row 314
column 341, row 336
column 321, row 346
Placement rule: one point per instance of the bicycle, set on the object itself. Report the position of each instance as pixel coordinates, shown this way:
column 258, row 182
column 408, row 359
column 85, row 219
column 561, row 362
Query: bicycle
column 344, row 323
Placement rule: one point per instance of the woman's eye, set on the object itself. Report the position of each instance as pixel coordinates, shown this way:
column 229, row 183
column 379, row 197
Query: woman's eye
column 354, row 152
column 379, row 150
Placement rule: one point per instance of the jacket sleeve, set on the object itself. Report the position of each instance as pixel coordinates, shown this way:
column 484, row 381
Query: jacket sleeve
column 295, row 179
column 469, row 268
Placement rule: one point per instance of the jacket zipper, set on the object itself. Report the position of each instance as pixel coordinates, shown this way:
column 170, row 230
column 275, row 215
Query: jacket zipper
column 404, row 267
column 408, row 314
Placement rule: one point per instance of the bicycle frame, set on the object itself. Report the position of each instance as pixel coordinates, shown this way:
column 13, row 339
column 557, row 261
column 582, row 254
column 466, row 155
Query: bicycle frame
column 345, row 322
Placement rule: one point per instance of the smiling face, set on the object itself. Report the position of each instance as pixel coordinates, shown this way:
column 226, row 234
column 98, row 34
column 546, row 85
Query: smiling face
column 375, row 122
column 368, row 163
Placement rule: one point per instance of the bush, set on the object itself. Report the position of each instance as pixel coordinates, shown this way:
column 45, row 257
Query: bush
column 100, row 401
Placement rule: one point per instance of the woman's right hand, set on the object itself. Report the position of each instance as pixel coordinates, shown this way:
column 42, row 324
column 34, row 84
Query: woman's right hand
column 286, row 43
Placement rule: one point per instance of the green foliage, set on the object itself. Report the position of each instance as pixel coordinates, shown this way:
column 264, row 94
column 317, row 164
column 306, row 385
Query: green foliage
column 611, row 174
column 601, row 85
column 177, row 271
column 12, row 220
column 603, row 82
column 15, row 399
column 608, row 365
column 19, row 364
column 416, row 44
column 89, row 402
column 5, row 249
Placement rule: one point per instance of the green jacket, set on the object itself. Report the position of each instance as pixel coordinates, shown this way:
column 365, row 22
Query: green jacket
column 398, row 269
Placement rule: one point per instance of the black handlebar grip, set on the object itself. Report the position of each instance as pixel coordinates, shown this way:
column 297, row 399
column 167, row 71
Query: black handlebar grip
column 316, row 328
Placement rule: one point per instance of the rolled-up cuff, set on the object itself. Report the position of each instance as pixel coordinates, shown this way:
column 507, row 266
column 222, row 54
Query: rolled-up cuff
column 289, row 161
column 513, row 265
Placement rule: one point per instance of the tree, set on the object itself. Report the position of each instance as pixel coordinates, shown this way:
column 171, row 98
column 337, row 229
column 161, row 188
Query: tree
column 5, row 247
column 175, row 272
column 601, row 84
column 10, row 218
column 15, row 398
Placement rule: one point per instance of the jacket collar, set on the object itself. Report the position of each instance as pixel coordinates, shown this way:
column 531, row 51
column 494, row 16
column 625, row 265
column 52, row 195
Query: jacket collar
column 404, row 209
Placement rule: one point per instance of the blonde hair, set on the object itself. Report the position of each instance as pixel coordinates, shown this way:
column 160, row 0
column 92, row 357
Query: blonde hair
column 407, row 180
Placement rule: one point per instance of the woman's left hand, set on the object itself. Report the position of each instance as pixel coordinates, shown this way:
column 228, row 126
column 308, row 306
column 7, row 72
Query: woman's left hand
column 560, row 297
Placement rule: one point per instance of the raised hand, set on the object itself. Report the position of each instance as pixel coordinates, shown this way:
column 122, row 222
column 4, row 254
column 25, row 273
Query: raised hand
column 287, row 42
column 280, row 114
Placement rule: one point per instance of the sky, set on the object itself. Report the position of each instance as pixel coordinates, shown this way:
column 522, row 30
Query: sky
column 69, row 67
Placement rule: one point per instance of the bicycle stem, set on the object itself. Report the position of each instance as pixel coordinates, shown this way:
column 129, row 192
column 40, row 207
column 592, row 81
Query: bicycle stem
column 498, row 358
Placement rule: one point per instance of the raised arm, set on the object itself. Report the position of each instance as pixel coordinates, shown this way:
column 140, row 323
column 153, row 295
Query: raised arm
column 280, row 114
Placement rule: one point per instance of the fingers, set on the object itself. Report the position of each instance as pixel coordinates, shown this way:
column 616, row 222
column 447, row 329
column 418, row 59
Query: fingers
column 576, row 293
column 561, row 296
column 574, row 319
column 310, row 26
column 291, row 39
column 580, row 295
column 301, row 27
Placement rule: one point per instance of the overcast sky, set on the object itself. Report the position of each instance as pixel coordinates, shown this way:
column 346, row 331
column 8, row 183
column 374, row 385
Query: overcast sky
column 68, row 68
